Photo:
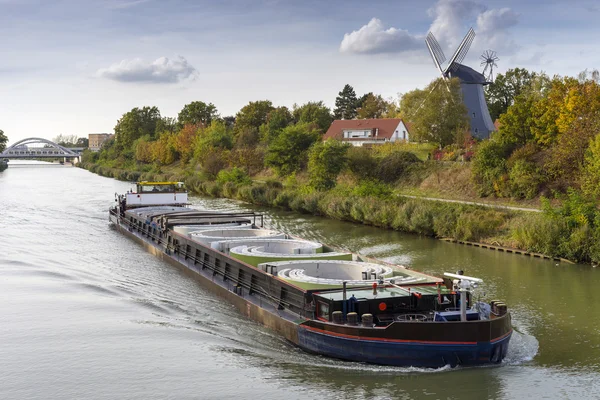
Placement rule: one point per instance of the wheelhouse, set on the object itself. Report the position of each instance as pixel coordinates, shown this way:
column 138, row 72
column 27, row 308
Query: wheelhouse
column 155, row 194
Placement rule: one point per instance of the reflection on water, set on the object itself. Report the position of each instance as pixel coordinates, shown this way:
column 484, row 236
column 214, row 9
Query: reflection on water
column 87, row 313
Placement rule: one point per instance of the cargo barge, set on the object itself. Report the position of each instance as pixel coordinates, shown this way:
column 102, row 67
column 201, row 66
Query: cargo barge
column 328, row 302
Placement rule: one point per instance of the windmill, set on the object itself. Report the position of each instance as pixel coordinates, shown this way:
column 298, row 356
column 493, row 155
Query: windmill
column 488, row 61
column 471, row 82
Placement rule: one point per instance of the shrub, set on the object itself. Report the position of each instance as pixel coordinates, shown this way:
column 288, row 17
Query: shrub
column 235, row 175
column 325, row 162
column 274, row 184
column 489, row 167
column 214, row 162
column 372, row 188
column 361, row 162
column 473, row 225
column 392, row 166
column 525, row 179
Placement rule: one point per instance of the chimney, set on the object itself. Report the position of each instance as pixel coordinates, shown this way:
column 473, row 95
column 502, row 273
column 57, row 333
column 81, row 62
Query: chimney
column 376, row 132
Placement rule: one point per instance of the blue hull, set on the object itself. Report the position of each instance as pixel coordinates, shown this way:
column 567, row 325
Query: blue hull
column 403, row 354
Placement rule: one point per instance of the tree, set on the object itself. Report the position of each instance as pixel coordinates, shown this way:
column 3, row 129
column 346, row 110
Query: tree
column 287, row 153
column 197, row 112
column 216, row 136
column 313, row 112
column 65, row 140
column 518, row 123
column 325, row 162
column 345, row 103
column 441, row 116
column 590, row 177
column 82, row 142
column 136, row 123
column 253, row 115
column 143, row 149
column 3, row 141
column 184, row 141
column 372, row 106
column 163, row 149
column 165, row 124
column 229, row 121
column 277, row 120
column 501, row 94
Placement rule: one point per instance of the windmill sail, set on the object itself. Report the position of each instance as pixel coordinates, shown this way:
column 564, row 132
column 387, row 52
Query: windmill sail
column 437, row 54
column 461, row 51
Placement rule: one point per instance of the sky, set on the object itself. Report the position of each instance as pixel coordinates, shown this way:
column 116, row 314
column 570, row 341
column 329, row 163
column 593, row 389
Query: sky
column 73, row 67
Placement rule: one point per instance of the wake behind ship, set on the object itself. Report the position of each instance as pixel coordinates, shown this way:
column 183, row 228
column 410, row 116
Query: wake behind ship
column 327, row 302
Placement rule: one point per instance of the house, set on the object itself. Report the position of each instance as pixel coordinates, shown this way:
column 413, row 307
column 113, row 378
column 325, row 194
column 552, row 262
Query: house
column 96, row 140
column 361, row 132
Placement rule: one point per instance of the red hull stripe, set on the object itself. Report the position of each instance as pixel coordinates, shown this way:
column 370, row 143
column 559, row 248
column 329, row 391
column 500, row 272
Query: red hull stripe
column 501, row 337
column 323, row 332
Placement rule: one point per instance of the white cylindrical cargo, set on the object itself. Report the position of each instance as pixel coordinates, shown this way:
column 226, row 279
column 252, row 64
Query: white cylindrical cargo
column 208, row 237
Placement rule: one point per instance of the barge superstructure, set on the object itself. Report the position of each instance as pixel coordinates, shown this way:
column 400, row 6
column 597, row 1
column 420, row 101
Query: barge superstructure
column 343, row 306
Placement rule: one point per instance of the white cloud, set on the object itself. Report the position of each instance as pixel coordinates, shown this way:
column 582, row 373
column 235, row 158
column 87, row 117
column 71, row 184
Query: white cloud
column 492, row 29
column 374, row 38
column 161, row 70
column 451, row 18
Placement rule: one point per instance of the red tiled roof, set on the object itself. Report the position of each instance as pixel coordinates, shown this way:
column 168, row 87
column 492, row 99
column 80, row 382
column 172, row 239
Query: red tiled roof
column 385, row 126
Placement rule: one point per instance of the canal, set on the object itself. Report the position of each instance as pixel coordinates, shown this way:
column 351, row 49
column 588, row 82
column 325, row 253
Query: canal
column 87, row 313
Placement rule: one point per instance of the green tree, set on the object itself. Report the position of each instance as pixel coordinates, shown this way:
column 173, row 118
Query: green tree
column 489, row 167
column 373, row 106
column 506, row 87
column 313, row 112
column 164, row 150
column 66, row 140
column 438, row 113
column 253, row 115
column 215, row 136
column 3, row 141
column 196, row 113
column 82, row 142
column 136, row 123
column 345, row 103
column 590, row 177
column 277, row 120
column 287, row 153
column 325, row 162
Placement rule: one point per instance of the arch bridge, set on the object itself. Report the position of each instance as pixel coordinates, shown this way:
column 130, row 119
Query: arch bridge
column 40, row 148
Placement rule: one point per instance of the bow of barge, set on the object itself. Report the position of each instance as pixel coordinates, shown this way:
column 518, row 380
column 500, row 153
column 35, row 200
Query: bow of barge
column 343, row 306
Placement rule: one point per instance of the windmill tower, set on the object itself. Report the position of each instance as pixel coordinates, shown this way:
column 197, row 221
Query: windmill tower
column 471, row 83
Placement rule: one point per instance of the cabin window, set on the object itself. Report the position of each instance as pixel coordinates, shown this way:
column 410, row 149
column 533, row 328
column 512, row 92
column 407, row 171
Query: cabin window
column 188, row 250
column 323, row 311
column 473, row 115
column 206, row 261
column 198, row 256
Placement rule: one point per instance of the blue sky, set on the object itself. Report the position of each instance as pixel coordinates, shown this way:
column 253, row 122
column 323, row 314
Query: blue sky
column 73, row 67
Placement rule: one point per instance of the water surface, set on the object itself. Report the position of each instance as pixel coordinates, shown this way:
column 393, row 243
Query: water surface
column 87, row 313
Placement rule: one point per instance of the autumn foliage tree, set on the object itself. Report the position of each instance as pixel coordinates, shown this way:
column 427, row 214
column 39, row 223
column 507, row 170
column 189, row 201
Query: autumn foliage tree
column 438, row 113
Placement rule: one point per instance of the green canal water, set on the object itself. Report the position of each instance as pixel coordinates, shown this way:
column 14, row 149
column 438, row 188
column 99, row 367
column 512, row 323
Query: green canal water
column 87, row 313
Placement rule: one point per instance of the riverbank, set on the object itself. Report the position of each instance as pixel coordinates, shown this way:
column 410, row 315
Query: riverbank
column 538, row 233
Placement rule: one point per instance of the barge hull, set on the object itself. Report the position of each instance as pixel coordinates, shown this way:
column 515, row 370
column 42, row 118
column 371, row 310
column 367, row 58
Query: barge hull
column 403, row 353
